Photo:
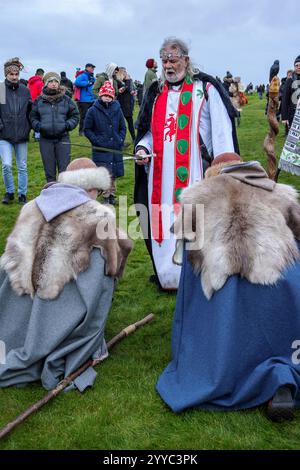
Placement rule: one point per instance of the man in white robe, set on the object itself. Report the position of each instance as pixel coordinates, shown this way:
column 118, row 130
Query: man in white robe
column 187, row 110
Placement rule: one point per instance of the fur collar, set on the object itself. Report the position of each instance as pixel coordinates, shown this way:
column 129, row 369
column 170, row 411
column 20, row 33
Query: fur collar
column 240, row 229
column 87, row 178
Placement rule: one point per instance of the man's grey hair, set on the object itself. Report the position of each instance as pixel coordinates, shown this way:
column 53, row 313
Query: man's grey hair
column 181, row 46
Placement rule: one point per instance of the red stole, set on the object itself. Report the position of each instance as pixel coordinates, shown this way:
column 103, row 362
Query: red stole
column 182, row 149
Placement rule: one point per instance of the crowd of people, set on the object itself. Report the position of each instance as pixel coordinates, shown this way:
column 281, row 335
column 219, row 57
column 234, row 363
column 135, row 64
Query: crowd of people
column 235, row 266
column 52, row 105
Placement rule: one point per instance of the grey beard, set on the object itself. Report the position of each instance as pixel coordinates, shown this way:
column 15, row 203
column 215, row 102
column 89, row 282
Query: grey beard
column 175, row 78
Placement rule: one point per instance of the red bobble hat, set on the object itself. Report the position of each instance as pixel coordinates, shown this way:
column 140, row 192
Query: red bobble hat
column 107, row 89
column 150, row 63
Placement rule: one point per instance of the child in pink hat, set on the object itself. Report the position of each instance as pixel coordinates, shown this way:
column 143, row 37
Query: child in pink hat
column 104, row 126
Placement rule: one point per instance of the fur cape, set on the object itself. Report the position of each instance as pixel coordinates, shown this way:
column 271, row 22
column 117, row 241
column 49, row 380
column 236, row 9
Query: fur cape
column 245, row 230
column 42, row 257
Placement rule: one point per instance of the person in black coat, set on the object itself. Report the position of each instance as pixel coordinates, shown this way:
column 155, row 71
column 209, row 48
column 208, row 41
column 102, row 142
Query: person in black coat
column 290, row 95
column 15, row 106
column 126, row 99
column 227, row 80
column 105, row 126
column 67, row 83
column 54, row 114
column 139, row 88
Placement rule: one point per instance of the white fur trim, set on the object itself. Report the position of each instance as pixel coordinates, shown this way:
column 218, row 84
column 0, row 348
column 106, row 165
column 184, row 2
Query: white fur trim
column 87, row 178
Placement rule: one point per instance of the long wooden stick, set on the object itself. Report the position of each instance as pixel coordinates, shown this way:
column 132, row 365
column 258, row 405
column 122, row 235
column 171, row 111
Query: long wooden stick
column 67, row 380
column 269, row 142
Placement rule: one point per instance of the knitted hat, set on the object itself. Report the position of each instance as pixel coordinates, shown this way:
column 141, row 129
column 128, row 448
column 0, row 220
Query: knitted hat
column 13, row 65
column 84, row 173
column 107, row 89
column 226, row 157
column 297, row 59
column 49, row 76
column 150, row 63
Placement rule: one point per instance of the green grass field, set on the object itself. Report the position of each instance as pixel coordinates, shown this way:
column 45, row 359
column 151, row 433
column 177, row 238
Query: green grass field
column 122, row 410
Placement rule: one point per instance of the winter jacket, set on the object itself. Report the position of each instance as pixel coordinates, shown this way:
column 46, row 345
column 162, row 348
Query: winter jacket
column 67, row 83
column 104, row 126
column 85, row 82
column 101, row 78
column 14, row 114
column 35, row 85
column 126, row 99
column 54, row 115
column 150, row 77
column 139, row 87
column 290, row 96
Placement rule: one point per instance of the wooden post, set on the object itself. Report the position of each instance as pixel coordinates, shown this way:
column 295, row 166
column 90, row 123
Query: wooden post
column 269, row 142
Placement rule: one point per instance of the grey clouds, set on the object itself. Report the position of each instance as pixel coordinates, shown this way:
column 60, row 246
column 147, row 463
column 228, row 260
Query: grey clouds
column 241, row 36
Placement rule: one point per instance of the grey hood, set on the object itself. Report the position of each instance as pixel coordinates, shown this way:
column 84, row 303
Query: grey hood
column 250, row 173
column 58, row 198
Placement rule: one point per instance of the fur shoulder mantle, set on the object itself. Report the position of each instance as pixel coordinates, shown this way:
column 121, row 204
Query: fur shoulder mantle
column 242, row 230
column 41, row 257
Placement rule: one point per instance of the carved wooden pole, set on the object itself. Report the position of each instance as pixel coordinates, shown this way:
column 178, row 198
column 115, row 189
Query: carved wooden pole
column 269, row 142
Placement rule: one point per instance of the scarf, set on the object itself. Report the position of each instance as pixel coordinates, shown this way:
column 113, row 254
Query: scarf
column 182, row 148
column 52, row 95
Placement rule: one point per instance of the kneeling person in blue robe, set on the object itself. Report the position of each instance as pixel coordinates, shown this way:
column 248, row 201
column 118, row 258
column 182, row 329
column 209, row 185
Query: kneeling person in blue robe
column 236, row 330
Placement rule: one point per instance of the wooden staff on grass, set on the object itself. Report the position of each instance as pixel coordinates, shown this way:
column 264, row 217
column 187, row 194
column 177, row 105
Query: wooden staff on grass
column 269, row 142
column 67, row 380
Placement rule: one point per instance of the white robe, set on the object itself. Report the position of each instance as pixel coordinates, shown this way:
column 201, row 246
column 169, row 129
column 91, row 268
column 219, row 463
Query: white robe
column 211, row 120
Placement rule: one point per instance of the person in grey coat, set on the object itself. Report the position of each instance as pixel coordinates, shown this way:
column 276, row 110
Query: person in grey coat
column 57, row 278
column 54, row 115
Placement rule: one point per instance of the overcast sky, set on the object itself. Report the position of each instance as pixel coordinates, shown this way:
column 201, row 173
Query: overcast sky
column 237, row 35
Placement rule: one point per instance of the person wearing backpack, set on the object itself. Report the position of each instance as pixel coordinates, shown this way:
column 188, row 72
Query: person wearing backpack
column 84, row 81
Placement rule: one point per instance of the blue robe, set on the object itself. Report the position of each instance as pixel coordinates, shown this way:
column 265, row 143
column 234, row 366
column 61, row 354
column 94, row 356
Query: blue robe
column 235, row 350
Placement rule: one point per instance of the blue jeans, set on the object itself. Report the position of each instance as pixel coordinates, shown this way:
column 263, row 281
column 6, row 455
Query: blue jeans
column 6, row 151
